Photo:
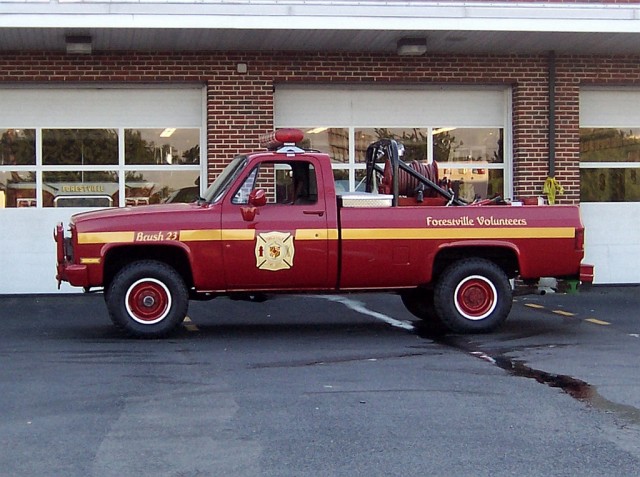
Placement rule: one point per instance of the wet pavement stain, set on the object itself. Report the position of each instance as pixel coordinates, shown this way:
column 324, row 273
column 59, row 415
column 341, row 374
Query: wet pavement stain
column 576, row 388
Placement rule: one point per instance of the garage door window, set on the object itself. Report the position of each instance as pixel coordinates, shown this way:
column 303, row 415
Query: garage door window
column 333, row 141
column 167, row 147
column 79, row 167
column 17, row 168
column 93, row 167
column 610, row 164
column 80, row 188
column 79, row 147
column 471, row 158
column 162, row 165
column 154, row 187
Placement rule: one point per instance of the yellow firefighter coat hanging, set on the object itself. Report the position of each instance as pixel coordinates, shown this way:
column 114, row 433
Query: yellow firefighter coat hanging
column 274, row 251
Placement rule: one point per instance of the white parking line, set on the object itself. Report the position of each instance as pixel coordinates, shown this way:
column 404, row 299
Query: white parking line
column 189, row 325
column 361, row 308
column 484, row 356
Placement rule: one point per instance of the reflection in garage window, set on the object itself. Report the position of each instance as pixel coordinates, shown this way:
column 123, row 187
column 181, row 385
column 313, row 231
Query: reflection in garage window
column 17, row 168
column 610, row 164
column 158, row 186
column 79, row 147
column 474, row 157
column 17, row 147
column 17, row 189
column 80, row 189
column 333, row 141
column 84, row 167
column 474, row 182
column 168, row 146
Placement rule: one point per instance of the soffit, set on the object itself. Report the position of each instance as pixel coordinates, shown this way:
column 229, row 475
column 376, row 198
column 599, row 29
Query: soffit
column 334, row 26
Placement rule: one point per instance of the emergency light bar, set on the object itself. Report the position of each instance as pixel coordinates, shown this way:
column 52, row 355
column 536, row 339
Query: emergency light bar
column 281, row 137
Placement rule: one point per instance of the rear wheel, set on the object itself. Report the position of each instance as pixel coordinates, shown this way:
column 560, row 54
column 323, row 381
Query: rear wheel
column 419, row 302
column 147, row 299
column 473, row 296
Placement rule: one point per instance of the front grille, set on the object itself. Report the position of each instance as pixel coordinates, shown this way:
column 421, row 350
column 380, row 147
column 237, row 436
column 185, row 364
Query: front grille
column 68, row 249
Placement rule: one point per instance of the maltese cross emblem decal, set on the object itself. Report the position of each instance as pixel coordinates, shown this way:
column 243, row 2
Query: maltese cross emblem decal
column 274, row 251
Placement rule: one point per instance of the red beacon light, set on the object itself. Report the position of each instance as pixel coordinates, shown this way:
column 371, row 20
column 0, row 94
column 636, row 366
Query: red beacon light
column 286, row 137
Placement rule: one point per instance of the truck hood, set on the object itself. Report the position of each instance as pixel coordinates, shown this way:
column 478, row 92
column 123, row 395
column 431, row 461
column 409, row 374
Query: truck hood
column 148, row 217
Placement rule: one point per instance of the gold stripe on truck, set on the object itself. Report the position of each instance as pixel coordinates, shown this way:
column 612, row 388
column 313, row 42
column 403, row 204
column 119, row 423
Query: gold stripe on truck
column 238, row 234
column 200, row 235
column 215, row 235
column 316, row 234
column 105, row 237
column 459, row 233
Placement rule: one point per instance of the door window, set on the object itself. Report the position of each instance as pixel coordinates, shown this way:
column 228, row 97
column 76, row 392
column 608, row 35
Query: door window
column 286, row 183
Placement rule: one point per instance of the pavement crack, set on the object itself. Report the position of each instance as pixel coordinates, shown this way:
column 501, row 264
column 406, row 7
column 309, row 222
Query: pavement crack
column 338, row 360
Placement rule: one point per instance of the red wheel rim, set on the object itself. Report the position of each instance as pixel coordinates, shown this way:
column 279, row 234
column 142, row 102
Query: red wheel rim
column 148, row 301
column 475, row 297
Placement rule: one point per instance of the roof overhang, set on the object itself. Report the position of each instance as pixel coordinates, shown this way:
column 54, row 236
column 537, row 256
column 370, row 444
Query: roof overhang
column 322, row 25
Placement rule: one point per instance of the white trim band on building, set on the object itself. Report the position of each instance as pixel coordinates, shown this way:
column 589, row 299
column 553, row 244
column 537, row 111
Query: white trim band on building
column 325, row 15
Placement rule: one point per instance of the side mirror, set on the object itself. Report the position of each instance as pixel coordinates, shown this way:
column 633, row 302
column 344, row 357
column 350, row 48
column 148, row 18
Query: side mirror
column 257, row 198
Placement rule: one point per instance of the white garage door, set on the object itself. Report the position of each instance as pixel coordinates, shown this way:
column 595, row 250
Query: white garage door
column 39, row 131
column 610, row 182
column 467, row 130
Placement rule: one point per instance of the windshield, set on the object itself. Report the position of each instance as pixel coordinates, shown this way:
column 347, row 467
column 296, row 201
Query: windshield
column 224, row 180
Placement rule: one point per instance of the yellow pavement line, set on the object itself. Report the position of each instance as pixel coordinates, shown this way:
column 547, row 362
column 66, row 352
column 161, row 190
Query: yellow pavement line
column 563, row 313
column 597, row 322
column 189, row 325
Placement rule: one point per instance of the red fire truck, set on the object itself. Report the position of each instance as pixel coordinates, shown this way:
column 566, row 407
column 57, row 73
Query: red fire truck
column 272, row 222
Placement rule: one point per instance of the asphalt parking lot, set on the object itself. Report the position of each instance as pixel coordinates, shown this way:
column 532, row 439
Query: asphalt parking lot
column 313, row 385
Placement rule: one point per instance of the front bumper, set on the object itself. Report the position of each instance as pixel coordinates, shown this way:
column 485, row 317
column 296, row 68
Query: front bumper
column 66, row 270
column 76, row 275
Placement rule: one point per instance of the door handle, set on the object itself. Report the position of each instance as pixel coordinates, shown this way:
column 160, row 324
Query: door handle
column 319, row 213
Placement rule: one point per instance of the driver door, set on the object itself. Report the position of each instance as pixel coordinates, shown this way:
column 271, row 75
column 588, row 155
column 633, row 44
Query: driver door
column 284, row 243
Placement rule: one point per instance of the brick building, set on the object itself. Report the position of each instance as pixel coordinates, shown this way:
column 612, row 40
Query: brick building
column 127, row 103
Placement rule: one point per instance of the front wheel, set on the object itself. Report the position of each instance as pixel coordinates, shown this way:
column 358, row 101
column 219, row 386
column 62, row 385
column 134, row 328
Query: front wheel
column 473, row 296
column 147, row 299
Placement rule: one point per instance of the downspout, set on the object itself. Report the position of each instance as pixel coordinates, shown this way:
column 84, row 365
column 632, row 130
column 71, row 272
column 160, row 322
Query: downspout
column 552, row 114
column 551, row 187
